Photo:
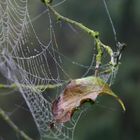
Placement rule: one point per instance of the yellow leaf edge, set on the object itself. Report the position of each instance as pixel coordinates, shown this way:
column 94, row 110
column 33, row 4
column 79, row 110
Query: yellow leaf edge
column 111, row 93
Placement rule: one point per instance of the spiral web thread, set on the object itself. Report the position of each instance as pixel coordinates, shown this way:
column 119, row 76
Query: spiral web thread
column 24, row 64
column 25, row 61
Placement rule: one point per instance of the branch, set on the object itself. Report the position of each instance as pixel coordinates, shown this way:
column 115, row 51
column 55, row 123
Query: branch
column 47, row 86
column 92, row 33
column 13, row 126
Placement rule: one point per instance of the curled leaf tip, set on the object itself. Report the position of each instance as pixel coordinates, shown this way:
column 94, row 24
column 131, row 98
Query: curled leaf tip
column 122, row 104
column 111, row 93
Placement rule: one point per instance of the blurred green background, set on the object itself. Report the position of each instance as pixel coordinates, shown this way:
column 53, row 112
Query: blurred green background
column 104, row 120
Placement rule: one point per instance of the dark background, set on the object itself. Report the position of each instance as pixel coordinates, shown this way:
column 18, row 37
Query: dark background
column 105, row 120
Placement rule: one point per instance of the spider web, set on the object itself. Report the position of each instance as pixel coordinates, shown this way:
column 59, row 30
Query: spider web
column 29, row 63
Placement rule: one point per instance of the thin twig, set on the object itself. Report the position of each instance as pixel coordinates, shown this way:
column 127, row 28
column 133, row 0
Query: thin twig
column 91, row 32
column 13, row 125
column 40, row 87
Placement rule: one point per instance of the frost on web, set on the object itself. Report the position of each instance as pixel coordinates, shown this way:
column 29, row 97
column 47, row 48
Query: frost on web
column 30, row 64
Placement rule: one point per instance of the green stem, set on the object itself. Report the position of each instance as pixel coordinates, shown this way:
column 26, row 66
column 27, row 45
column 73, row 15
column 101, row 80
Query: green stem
column 98, row 57
column 73, row 22
column 47, row 86
column 13, row 126
column 92, row 33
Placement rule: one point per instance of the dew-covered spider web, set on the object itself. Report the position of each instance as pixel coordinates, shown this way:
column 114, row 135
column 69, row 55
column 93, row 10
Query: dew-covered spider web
column 37, row 65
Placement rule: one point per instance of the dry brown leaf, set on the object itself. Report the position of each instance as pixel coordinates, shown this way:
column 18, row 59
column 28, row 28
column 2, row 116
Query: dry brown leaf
column 77, row 92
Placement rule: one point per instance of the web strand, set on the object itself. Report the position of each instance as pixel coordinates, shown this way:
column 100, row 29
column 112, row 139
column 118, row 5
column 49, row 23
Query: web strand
column 25, row 60
column 111, row 22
